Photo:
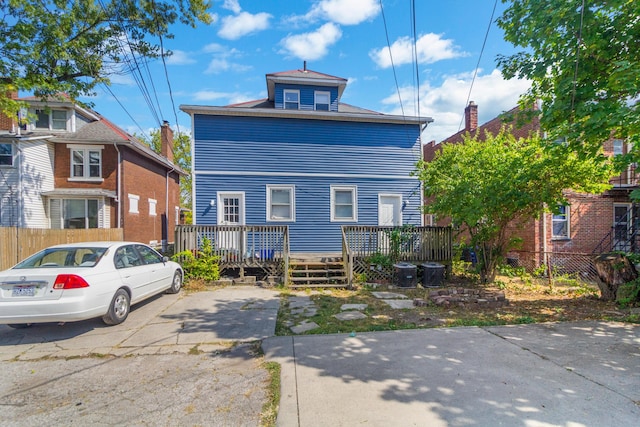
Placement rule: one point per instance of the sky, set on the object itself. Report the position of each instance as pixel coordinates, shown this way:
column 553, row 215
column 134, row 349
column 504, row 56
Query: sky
column 226, row 62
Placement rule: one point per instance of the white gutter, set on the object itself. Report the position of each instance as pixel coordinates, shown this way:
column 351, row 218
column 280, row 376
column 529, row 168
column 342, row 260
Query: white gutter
column 118, row 190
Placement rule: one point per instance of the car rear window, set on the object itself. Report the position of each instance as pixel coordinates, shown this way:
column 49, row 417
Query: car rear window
column 63, row 257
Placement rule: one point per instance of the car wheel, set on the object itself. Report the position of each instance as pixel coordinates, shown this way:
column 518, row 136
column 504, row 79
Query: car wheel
column 176, row 284
column 119, row 308
column 19, row 325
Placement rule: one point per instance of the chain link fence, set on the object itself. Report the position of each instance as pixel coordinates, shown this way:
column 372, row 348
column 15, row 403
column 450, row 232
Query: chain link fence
column 555, row 265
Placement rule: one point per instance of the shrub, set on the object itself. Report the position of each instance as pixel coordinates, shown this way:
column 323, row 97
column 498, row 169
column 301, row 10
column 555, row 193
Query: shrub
column 203, row 264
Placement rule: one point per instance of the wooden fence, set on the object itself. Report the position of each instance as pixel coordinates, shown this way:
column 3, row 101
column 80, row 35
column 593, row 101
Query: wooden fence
column 18, row 243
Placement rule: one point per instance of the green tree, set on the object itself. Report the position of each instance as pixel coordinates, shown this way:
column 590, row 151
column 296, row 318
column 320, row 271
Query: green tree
column 484, row 186
column 583, row 60
column 54, row 46
column 181, row 157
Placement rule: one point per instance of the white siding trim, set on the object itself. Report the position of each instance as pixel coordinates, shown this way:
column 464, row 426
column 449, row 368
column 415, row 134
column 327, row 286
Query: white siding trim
column 309, row 175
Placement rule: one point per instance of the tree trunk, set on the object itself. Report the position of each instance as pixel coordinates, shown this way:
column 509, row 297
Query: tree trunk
column 613, row 270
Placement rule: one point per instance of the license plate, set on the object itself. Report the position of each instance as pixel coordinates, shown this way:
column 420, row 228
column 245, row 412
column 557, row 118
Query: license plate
column 23, row 291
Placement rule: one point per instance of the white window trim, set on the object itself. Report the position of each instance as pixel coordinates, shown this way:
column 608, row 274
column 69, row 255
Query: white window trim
column 13, row 156
column 292, row 193
column 153, row 203
column 567, row 219
column 284, row 98
column 134, row 207
column 68, row 127
column 621, row 142
column 315, row 99
column 220, row 206
column 352, row 188
column 85, row 162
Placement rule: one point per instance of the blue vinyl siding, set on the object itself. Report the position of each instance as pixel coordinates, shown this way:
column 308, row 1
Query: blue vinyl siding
column 281, row 145
column 307, row 100
column 312, row 231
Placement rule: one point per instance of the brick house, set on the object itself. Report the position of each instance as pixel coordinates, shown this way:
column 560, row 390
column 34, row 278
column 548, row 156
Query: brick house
column 588, row 224
column 69, row 167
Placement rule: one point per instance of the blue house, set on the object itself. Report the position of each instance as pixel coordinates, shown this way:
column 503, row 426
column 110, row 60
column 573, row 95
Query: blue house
column 303, row 159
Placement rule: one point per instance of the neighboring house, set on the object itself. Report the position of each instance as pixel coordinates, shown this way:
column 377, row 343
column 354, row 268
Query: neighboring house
column 588, row 223
column 69, row 167
column 304, row 159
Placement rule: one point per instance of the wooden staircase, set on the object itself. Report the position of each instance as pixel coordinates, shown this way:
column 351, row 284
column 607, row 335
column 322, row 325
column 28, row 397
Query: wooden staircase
column 317, row 271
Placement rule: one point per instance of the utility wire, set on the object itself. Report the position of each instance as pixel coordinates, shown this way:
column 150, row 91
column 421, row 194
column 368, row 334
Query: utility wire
column 475, row 73
column 415, row 57
column 123, row 107
column 393, row 67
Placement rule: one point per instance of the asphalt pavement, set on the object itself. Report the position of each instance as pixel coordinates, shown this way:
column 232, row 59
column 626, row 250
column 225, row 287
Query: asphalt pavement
column 191, row 360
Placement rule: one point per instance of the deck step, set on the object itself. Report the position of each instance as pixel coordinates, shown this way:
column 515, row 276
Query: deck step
column 319, row 279
column 317, row 272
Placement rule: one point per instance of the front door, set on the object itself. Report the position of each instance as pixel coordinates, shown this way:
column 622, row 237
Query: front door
column 231, row 213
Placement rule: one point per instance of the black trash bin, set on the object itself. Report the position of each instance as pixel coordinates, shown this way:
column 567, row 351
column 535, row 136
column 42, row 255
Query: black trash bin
column 432, row 274
column 405, row 275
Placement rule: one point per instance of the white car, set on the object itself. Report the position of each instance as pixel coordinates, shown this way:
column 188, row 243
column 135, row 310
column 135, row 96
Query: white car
column 81, row 281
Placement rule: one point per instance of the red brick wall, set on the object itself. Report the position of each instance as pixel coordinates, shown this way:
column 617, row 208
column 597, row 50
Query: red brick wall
column 147, row 180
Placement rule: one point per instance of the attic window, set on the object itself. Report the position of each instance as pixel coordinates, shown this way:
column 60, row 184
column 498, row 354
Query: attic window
column 322, row 100
column 51, row 119
column 291, row 99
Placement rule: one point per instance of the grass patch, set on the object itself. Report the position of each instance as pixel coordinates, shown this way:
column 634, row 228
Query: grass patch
column 269, row 413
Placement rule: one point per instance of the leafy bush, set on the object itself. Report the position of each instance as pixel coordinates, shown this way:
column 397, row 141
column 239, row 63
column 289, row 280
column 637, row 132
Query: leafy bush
column 628, row 295
column 200, row 264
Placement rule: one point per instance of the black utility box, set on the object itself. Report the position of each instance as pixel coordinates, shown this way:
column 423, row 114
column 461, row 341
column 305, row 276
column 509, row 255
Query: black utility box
column 432, row 274
column 405, row 275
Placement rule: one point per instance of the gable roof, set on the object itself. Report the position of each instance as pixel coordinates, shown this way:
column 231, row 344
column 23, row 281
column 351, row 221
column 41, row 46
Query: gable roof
column 98, row 130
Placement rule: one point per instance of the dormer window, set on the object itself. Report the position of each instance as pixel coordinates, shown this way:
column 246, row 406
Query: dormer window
column 322, row 101
column 51, row 119
column 291, row 99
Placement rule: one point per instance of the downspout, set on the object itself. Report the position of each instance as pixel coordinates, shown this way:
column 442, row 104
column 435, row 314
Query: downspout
column 20, row 199
column 118, row 190
column 165, row 244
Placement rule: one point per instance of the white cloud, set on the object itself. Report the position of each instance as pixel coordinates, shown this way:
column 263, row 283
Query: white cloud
column 313, row 45
column 344, row 12
column 230, row 97
column 122, row 79
column 232, row 5
column 180, row 57
column 430, row 48
column 234, row 27
column 445, row 103
column 219, row 65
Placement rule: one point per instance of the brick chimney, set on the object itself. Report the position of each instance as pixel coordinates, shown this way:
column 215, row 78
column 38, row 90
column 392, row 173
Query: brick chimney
column 9, row 123
column 166, row 141
column 471, row 117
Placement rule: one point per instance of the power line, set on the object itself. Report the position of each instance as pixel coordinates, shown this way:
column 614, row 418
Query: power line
column 393, row 67
column 123, row 107
column 475, row 73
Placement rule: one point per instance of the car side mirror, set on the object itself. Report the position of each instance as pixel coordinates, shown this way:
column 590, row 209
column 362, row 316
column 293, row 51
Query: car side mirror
column 165, row 259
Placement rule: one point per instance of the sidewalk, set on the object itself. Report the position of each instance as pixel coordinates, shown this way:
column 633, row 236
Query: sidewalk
column 567, row 374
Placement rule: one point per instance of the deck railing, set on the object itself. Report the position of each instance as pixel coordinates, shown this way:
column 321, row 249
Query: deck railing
column 372, row 250
column 240, row 246
column 400, row 243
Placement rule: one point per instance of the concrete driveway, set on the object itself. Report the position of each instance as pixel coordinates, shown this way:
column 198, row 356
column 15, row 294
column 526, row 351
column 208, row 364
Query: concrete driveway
column 567, row 374
column 164, row 366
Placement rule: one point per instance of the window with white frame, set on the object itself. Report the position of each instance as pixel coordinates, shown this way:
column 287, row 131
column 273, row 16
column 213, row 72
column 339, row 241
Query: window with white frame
column 344, row 203
column 51, row 119
column 133, row 203
column 560, row 223
column 618, row 147
column 281, row 203
column 152, row 207
column 74, row 213
column 6, row 154
column 322, row 100
column 291, row 99
column 86, row 163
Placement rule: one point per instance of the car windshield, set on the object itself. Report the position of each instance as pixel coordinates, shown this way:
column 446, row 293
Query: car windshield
column 63, row 257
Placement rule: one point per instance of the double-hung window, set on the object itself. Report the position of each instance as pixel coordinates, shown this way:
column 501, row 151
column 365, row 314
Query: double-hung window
column 618, row 147
column 291, row 99
column 281, row 203
column 322, row 100
column 51, row 119
column 6, row 154
column 560, row 220
column 86, row 163
column 344, row 203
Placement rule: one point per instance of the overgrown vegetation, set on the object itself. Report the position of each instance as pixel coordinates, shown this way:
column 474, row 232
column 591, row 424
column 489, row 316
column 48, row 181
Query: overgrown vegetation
column 200, row 264
column 269, row 414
